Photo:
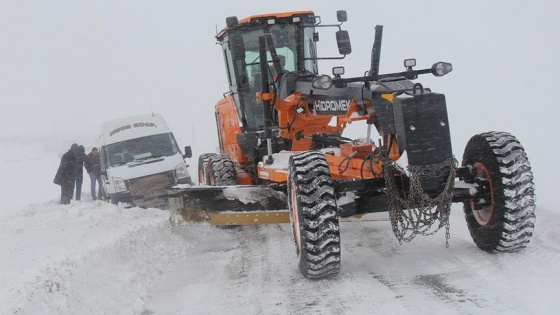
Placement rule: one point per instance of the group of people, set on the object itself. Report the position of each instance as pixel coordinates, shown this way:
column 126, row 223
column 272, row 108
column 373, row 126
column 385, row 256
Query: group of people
column 70, row 173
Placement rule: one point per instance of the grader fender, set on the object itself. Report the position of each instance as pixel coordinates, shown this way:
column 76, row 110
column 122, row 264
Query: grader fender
column 229, row 205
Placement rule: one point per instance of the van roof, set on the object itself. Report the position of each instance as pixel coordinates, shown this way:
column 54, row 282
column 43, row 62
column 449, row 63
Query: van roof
column 122, row 129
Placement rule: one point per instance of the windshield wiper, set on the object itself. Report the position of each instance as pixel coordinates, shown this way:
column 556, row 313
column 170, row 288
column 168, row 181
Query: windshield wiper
column 151, row 157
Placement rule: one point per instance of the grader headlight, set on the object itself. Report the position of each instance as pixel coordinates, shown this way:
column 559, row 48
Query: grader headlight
column 440, row 69
column 323, row 82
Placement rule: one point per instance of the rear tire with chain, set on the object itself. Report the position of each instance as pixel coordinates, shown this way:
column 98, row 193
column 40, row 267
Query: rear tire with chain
column 202, row 168
column 221, row 171
column 501, row 218
column 313, row 214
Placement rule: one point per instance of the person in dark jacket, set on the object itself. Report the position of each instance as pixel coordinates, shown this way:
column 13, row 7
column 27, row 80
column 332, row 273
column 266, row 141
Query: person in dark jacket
column 65, row 174
column 79, row 173
column 92, row 164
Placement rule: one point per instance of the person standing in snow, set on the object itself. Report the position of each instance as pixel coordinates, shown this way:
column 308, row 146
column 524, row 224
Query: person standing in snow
column 79, row 173
column 92, row 164
column 65, row 174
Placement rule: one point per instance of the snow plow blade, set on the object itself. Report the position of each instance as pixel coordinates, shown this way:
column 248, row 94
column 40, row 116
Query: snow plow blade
column 229, row 205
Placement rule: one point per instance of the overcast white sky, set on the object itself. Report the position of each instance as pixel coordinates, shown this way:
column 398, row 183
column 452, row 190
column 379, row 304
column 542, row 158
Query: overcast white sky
column 67, row 66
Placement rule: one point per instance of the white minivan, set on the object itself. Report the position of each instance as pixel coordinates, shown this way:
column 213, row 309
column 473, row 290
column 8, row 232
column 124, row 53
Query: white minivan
column 140, row 159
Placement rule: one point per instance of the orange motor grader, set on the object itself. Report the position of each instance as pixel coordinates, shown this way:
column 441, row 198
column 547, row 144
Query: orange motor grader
column 283, row 156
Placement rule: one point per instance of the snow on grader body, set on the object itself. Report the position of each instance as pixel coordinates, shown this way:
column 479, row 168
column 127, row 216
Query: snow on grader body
column 283, row 157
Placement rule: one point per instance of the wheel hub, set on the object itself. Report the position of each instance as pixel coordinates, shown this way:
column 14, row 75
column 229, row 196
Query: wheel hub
column 483, row 206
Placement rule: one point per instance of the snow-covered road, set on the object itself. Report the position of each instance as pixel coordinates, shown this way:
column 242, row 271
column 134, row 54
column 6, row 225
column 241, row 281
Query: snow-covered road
column 252, row 270
column 98, row 258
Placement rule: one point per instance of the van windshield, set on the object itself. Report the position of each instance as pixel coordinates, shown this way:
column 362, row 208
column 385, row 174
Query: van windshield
column 138, row 149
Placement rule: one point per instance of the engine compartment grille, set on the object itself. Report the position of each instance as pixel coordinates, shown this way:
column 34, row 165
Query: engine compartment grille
column 143, row 185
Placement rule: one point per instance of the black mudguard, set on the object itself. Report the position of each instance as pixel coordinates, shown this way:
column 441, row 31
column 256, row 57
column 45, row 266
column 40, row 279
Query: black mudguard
column 422, row 128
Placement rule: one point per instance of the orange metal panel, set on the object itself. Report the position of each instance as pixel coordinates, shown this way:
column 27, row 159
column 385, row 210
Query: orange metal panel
column 349, row 168
column 359, row 150
column 272, row 174
column 228, row 128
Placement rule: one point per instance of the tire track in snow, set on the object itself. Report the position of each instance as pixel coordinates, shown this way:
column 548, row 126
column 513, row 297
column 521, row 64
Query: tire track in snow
column 253, row 270
column 406, row 273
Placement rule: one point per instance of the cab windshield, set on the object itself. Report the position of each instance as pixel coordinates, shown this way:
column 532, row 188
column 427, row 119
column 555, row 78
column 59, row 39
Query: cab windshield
column 286, row 41
column 292, row 43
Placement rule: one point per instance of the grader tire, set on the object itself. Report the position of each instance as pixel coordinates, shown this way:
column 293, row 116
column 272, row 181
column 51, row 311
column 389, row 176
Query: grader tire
column 313, row 214
column 203, row 178
column 221, row 171
column 502, row 217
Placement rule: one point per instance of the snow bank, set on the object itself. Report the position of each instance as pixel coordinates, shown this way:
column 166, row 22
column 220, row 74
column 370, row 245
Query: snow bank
column 98, row 258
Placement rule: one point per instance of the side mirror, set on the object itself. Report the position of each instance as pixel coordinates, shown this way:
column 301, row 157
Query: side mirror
column 343, row 42
column 188, row 152
column 341, row 16
column 237, row 46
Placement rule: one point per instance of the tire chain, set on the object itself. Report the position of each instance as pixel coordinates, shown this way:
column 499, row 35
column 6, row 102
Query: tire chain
column 417, row 213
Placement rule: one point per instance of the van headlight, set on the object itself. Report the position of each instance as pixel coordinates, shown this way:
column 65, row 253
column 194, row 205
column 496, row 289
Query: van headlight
column 119, row 184
column 181, row 171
